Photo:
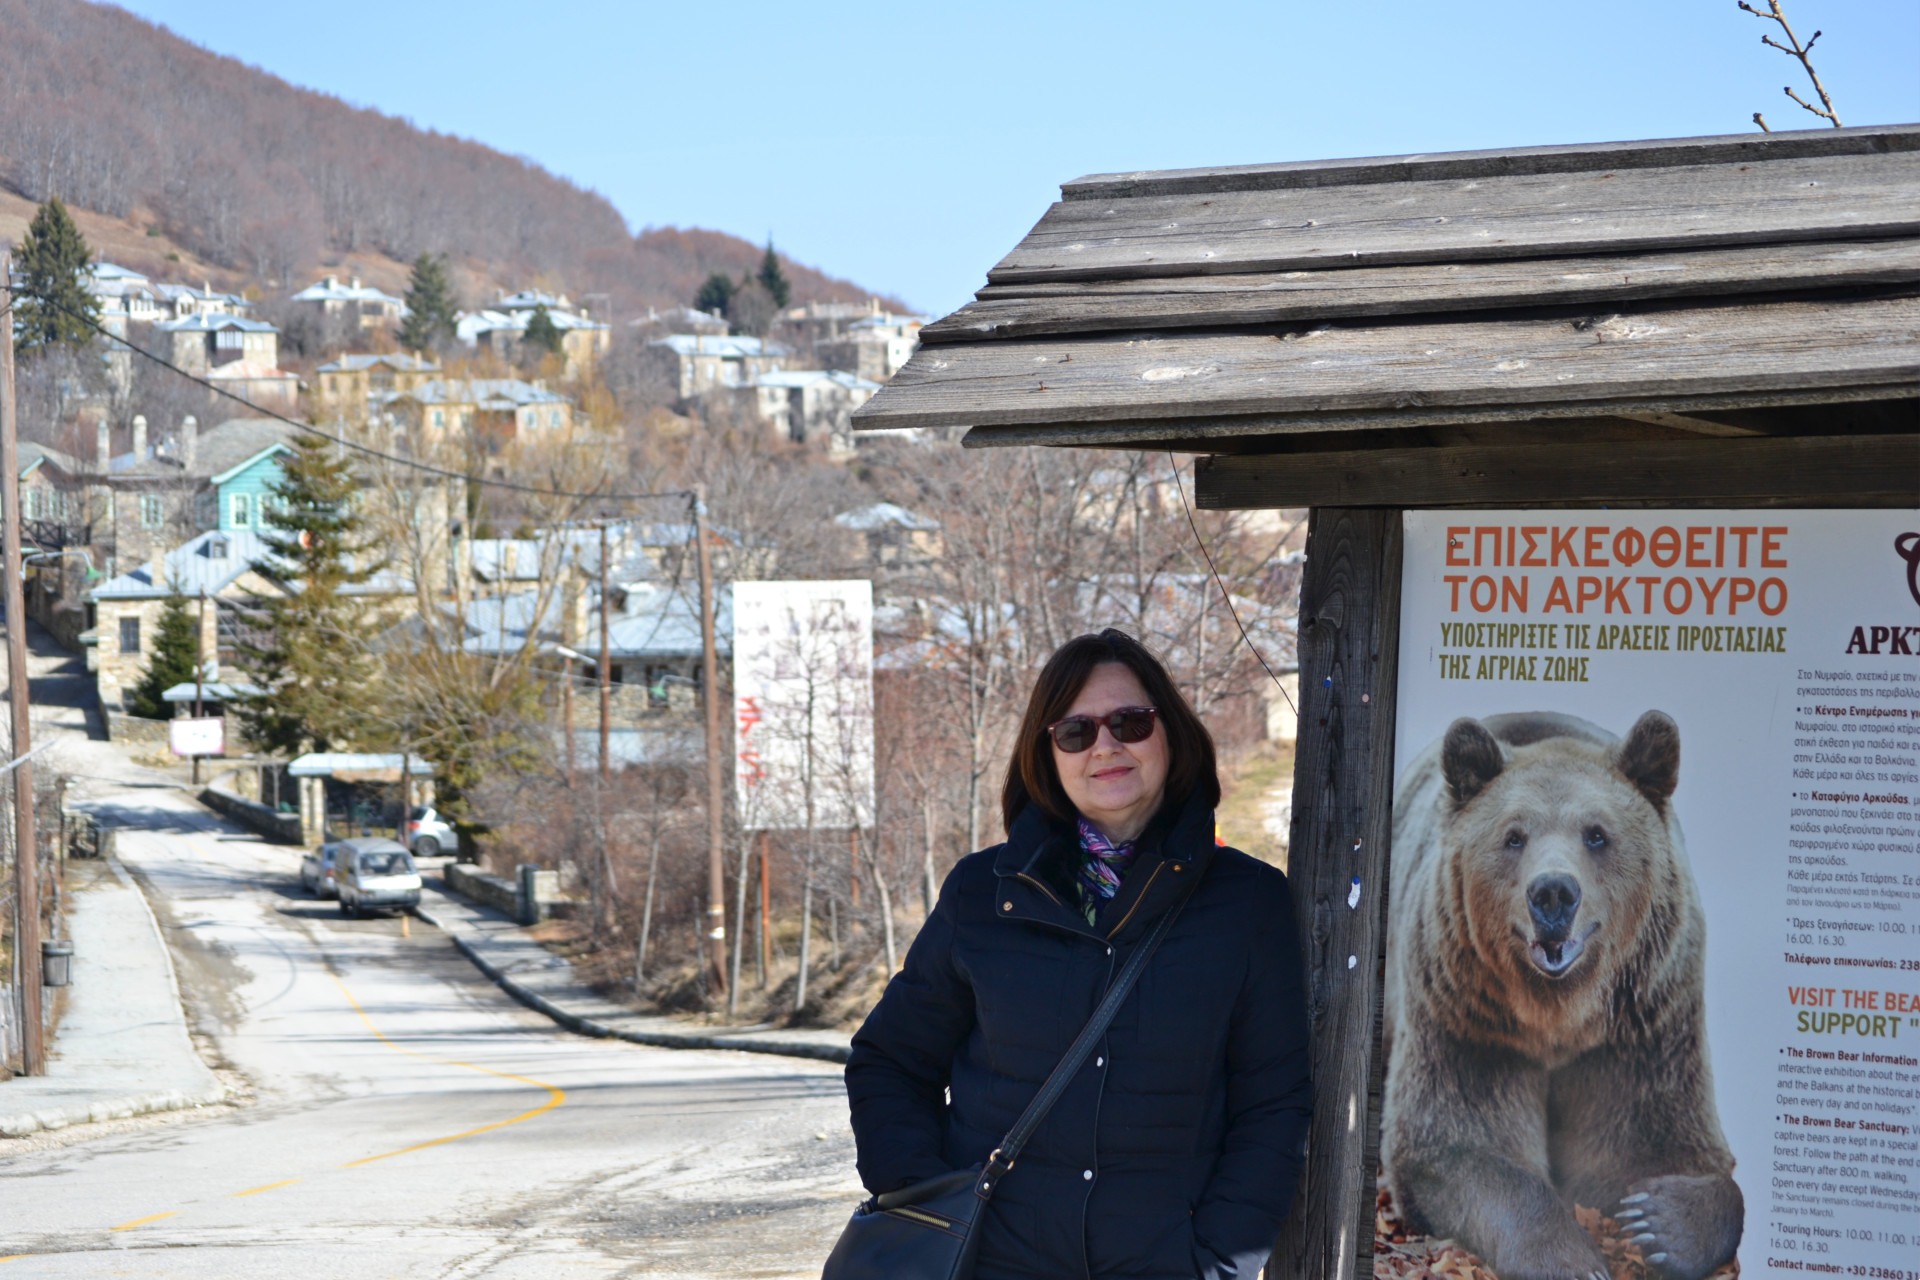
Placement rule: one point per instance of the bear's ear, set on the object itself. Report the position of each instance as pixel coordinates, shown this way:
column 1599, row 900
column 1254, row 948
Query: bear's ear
column 1649, row 758
column 1470, row 759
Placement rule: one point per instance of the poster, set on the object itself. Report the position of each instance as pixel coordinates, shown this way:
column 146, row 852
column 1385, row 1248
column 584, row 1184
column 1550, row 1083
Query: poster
column 204, row 736
column 803, row 704
column 1653, row 977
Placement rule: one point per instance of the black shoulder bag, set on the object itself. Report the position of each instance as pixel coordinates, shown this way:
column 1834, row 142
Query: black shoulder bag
column 929, row 1231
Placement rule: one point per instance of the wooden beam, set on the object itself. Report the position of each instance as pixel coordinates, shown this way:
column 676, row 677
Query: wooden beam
column 1586, row 157
column 1872, row 470
column 1536, row 215
column 1349, row 631
column 1530, row 365
column 1304, row 297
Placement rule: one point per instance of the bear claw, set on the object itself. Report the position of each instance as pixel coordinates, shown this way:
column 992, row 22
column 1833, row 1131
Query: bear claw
column 1638, row 1197
column 1656, row 1258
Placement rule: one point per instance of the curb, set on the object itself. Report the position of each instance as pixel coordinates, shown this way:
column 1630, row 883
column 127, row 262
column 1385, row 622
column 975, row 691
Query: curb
column 49, row 1118
column 599, row 1030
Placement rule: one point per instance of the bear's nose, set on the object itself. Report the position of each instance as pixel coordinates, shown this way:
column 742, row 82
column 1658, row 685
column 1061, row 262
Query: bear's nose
column 1554, row 900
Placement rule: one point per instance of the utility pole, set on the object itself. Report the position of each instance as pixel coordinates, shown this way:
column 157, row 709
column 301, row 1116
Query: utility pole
column 716, row 818
column 199, row 673
column 26, row 870
column 606, row 667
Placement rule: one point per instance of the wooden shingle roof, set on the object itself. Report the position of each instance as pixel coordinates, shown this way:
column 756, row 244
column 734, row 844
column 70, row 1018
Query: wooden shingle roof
column 1728, row 290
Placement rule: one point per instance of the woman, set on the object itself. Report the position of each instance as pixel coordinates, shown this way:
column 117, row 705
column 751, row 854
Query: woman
column 1175, row 1151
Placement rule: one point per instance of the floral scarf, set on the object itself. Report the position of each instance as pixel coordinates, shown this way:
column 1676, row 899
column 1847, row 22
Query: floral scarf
column 1103, row 865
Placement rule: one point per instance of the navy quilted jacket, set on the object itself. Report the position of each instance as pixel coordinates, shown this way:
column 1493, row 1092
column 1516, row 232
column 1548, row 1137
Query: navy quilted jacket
column 1175, row 1152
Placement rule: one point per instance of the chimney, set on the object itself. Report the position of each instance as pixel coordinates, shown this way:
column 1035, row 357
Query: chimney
column 189, row 442
column 103, row 443
column 333, row 282
column 157, row 568
column 356, row 282
column 139, row 438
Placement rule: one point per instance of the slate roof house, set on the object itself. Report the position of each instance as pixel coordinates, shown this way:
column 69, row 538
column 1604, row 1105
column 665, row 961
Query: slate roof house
column 1722, row 321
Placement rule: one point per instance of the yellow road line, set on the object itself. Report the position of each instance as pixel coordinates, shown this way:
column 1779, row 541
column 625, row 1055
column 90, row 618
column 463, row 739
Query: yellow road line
column 555, row 1094
column 254, row 1191
column 152, row 1217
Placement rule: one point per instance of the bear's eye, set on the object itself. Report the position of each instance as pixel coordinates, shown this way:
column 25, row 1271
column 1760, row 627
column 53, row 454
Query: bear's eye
column 1516, row 840
column 1596, row 838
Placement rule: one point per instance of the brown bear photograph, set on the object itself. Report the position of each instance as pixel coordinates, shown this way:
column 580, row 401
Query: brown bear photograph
column 1549, row 1110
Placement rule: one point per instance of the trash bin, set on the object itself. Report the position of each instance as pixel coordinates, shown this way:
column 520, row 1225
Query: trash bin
column 56, row 963
column 529, row 896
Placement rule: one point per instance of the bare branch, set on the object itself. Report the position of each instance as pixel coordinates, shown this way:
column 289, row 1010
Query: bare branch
column 1762, row 122
column 1794, row 49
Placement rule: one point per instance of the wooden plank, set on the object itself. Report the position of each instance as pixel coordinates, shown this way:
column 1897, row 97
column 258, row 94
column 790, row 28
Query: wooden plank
column 1862, row 470
column 1185, row 302
column 1384, row 368
column 1349, row 630
column 1732, row 148
column 1533, row 215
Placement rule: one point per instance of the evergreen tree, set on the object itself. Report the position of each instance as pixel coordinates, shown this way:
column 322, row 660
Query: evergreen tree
column 430, row 305
column 774, row 280
column 715, row 294
column 308, row 653
column 53, row 305
column 176, row 650
column 542, row 333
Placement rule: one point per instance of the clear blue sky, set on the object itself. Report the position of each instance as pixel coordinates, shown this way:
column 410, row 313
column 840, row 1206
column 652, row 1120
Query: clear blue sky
column 908, row 146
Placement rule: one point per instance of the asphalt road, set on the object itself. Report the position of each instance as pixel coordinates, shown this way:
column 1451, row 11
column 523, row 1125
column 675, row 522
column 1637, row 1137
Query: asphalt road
column 408, row 1119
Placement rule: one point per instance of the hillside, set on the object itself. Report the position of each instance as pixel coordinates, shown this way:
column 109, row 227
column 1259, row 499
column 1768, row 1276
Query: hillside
column 246, row 178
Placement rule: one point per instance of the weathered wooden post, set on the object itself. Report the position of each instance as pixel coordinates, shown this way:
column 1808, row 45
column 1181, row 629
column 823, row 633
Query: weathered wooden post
column 1691, row 323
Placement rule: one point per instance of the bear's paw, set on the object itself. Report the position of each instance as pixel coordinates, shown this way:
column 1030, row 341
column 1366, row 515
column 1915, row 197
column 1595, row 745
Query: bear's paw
column 1685, row 1225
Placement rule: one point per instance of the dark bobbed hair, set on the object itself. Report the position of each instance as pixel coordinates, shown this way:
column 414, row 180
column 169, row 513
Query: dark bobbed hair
column 1031, row 777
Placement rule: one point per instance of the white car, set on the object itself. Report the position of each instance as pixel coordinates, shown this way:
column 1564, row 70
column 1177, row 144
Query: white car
column 428, row 835
column 375, row 872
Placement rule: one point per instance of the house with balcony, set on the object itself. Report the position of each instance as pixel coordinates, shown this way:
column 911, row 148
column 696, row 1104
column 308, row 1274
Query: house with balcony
column 874, row 347
column 813, row 405
column 237, row 354
column 699, row 364
column 499, row 409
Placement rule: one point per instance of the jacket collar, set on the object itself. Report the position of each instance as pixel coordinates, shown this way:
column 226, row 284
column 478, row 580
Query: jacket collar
column 1176, row 848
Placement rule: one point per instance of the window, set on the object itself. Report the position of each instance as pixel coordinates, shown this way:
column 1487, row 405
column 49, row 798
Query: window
column 553, row 419
column 242, row 510
column 129, row 635
column 657, row 692
column 439, row 418
column 152, row 513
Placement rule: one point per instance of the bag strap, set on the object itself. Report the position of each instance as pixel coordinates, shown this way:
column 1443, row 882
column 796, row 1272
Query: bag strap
column 1069, row 1066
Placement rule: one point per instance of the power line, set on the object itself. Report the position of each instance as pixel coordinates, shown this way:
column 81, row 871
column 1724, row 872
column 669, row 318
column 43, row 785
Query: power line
column 1231, row 611
column 395, row 459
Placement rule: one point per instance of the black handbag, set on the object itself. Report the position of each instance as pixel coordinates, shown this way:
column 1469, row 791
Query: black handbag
column 928, row 1231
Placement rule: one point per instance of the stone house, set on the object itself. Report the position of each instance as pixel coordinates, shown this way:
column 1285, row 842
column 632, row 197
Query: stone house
column 124, row 297
column 498, row 408
column 362, row 305
column 501, row 327
column 349, row 386
column 873, row 347
column 238, row 354
column 162, row 492
column 812, row 405
column 219, row 564
column 697, row 364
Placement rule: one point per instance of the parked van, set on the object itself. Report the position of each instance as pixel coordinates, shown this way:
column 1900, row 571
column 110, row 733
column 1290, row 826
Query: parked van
column 375, row 872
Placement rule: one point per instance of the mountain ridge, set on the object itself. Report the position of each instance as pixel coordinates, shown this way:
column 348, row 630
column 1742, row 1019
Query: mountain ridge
column 250, row 179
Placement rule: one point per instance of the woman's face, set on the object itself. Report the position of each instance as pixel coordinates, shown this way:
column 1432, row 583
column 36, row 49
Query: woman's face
column 1117, row 786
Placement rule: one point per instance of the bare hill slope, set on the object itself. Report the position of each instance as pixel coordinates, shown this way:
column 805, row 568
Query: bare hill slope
column 240, row 173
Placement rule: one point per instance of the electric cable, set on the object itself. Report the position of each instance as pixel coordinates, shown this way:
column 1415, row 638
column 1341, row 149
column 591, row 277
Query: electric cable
column 1231, row 611
column 395, row 459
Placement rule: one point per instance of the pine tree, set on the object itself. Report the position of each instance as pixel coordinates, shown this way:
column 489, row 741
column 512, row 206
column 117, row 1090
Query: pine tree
column 308, row 654
column 542, row 333
column 774, row 279
column 715, row 294
column 430, row 305
column 176, row 650
column 53, row 305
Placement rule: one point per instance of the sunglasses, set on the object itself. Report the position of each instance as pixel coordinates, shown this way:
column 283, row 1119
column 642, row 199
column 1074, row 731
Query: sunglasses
column 1078, row 733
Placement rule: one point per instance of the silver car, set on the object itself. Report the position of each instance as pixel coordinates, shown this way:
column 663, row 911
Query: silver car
column 428, row 835
column 375, row 872
column 318, row 868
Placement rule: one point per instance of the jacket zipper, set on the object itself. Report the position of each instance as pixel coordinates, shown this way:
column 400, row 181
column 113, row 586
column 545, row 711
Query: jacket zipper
column 1144, row 889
